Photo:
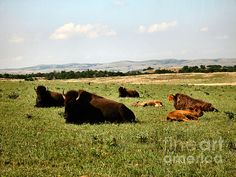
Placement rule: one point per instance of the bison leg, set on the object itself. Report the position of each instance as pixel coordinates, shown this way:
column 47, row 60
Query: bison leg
column 185, row 119
column 192, row 117
column 180, row 118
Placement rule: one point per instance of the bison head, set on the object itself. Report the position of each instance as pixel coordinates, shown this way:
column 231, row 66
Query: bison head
column 70, row 102
column 41, row 92
column 122, row 92
column 158, row 104
column 75, row 103
column 171, row 97
column 209, row 107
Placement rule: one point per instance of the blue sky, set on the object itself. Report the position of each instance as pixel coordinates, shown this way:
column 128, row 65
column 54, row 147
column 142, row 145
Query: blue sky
column 97, row 31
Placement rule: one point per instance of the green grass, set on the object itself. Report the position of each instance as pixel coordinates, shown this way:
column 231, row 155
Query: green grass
column 37, row 142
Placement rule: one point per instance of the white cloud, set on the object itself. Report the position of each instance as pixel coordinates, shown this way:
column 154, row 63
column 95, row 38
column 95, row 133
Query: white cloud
column 204, row 29
column 142, row 29
column 89, row 30
column 16, row 39
column 158, row 27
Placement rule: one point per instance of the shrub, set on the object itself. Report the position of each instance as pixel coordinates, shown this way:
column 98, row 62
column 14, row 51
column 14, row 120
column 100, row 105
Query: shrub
column 13, row 95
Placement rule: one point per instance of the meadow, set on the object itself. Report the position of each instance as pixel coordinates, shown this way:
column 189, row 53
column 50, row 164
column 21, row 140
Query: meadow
column 38, row 142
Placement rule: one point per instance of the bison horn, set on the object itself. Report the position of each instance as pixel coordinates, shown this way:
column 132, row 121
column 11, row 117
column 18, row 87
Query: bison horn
column 63, row 94
column 77, row 97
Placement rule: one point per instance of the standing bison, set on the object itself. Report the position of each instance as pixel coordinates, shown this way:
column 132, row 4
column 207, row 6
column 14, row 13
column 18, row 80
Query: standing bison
column 46, row 98
column 123, row 92
column 84, row 107
column 183, row 102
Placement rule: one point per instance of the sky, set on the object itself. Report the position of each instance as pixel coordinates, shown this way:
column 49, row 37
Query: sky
column 36, row 32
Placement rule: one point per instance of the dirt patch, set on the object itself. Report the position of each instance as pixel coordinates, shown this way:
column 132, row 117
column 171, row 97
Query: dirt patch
column 13, row 80
column 216, row 84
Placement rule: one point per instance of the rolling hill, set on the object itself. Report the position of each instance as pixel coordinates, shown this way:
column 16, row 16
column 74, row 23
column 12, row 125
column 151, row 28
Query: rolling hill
column 122, row 66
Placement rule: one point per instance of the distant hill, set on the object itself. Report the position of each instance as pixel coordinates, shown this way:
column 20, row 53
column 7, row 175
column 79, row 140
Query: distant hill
column 123, row 66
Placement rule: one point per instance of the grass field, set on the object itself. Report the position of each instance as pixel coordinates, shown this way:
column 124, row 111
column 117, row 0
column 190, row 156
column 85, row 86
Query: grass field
column 38, row 142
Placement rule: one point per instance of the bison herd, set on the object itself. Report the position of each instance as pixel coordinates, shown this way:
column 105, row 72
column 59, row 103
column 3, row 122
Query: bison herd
column 85, row 107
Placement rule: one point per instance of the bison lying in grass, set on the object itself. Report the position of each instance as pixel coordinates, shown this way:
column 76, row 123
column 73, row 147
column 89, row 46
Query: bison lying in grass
column 123, row 92
column 46, row 98
column 184, row 115
column 155, row 103
column 183, row 102
column 84, row 107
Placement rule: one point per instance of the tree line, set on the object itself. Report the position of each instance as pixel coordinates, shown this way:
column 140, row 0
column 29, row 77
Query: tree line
column 96, row 73
column 207, row 69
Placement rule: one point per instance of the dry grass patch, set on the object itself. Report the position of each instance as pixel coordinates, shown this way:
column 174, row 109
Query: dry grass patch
column 174, row 78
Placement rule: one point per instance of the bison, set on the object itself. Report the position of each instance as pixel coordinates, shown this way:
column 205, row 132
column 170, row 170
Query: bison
column 46, row 98
column 155, row 103
column 183, row 102
column 123, row 92
column 184, row 115
column 84, row 107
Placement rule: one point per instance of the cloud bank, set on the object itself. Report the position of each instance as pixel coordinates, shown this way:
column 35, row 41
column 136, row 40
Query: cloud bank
column 157, row 27
column 89, row 30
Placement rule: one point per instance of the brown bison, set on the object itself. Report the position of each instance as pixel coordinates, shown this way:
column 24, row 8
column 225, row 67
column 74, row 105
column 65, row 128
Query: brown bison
column 123, row 92
column 84, row 107
column 155, row 103
column 46, row 98
column 184, row 115
column 183, row 102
